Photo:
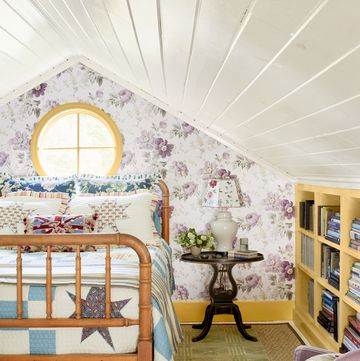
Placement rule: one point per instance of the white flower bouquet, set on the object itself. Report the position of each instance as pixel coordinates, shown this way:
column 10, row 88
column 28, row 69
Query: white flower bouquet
column 191, row 238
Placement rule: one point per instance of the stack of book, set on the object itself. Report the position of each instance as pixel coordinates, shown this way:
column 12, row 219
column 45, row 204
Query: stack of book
column 330, row 265
column 328, row 317
column 355, row 234
column 307, row 214
column 307, row 251
column 333, row 227
column 325, row 213
column 242, row 254
column 354, row 283
column 351, row 340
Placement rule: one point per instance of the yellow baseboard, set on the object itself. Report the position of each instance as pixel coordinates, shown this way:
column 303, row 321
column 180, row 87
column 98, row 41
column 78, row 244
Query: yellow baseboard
column 193, row 311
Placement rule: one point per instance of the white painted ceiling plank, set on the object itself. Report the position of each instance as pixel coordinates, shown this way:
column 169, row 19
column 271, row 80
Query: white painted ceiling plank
column 294, row 35
column 268, row 30
column 217, row 26
column 146, row 23
column 177, row 23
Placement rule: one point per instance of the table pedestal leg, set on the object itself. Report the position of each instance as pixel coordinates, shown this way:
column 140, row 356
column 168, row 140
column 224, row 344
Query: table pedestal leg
column 222, row 303
column 206, row 324
column 241, row 327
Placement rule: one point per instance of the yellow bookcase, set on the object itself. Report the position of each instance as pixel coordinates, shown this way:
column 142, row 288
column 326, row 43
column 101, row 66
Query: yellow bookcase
column 349, row 202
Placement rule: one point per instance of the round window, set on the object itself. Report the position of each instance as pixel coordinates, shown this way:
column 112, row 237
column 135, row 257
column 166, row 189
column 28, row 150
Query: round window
column 76, row 138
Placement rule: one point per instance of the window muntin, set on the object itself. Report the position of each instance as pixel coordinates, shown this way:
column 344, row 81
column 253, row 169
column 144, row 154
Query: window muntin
column 76, row 138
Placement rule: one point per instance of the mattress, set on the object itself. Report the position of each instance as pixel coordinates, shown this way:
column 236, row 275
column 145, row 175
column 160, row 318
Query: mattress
column 124, row 297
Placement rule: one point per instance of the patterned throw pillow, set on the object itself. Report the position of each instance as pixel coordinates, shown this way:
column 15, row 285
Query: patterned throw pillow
column 15, row 208
column 60, row 223
column 125, row 214
column 37, row 184
column 116, row 184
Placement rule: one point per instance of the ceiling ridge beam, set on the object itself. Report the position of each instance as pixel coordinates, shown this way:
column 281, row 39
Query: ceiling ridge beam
column 193, row 33
column 119, row 42
column 310, row 138
column 138, row 44
column 243, row 22
column 161, row 42
column 322, row 110
column 314, row 13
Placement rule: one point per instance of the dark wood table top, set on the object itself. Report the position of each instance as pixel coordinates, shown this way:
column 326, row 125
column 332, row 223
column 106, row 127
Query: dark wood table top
column 214, row 257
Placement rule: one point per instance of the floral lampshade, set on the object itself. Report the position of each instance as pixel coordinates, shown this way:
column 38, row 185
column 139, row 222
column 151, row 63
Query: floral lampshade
column 223, row 193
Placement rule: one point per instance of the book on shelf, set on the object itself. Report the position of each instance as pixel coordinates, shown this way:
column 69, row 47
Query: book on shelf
column 351, row 339
column 311, row 297
column 306, row 210
column 330, row 265
column 307, row 251
column 328, row 315
column 354, row 283
column 355, row 234
column 325, row 214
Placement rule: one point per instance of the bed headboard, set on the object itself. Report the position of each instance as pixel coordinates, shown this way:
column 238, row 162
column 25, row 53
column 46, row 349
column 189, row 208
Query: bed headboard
column 165, row 212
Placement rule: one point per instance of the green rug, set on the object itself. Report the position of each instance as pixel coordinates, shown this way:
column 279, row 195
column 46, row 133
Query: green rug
column 276, row 342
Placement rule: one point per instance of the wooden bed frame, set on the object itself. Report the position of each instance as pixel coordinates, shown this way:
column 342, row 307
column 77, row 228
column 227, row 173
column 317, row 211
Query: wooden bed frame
column 145, row 342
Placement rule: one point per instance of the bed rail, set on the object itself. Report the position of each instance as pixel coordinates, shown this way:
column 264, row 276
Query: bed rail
column 144, row 352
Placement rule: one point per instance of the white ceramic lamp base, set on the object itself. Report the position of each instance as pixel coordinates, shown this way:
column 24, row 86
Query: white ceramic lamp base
column 224, row 229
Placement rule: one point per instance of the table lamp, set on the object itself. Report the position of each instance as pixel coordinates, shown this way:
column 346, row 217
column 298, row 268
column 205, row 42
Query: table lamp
column 223, row 193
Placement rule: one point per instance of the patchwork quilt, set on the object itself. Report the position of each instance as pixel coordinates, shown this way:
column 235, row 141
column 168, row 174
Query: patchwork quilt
column 124, row 296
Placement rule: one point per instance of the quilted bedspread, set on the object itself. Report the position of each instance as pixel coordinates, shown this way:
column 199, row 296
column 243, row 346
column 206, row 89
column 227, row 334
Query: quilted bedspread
column 124, row 297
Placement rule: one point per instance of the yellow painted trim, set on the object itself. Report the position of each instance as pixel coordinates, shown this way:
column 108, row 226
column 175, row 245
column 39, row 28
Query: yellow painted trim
column 72, row 108
column 193, row 311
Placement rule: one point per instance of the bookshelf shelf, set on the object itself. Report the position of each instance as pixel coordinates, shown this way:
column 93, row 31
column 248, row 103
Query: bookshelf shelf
column 327, row 242
column 352, row 252
column 306, row 269
column 351, row 303
column 345, row 202
column 325, row 284
column 306, row 232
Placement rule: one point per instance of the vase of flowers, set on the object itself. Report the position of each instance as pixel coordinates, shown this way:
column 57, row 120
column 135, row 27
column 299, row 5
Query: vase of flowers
column 195, row 242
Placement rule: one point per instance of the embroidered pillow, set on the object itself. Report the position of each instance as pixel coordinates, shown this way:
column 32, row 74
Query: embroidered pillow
column 125, row 214
column 60, row 223
column 14, row 209
column 119, row 184
column 38, row 184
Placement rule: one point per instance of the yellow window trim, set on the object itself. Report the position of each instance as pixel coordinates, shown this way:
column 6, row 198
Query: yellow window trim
column 76, row 108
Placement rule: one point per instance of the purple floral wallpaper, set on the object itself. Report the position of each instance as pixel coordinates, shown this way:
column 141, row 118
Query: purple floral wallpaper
column 155, row 141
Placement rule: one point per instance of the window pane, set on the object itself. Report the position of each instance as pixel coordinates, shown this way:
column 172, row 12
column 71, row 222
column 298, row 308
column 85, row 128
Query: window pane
column 58, row 162
column 94, row 133
column 96, row 161
column 60, row 133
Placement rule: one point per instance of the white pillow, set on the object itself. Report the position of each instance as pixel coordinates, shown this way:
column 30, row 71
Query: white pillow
column 323, row 357
column 14, row 209
column 125, row 214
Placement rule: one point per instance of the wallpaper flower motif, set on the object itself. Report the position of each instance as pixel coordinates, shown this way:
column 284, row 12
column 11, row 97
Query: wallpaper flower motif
column 155, row 141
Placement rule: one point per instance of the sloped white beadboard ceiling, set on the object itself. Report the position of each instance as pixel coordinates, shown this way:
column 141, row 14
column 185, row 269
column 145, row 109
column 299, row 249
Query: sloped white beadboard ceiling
column 276, row 79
